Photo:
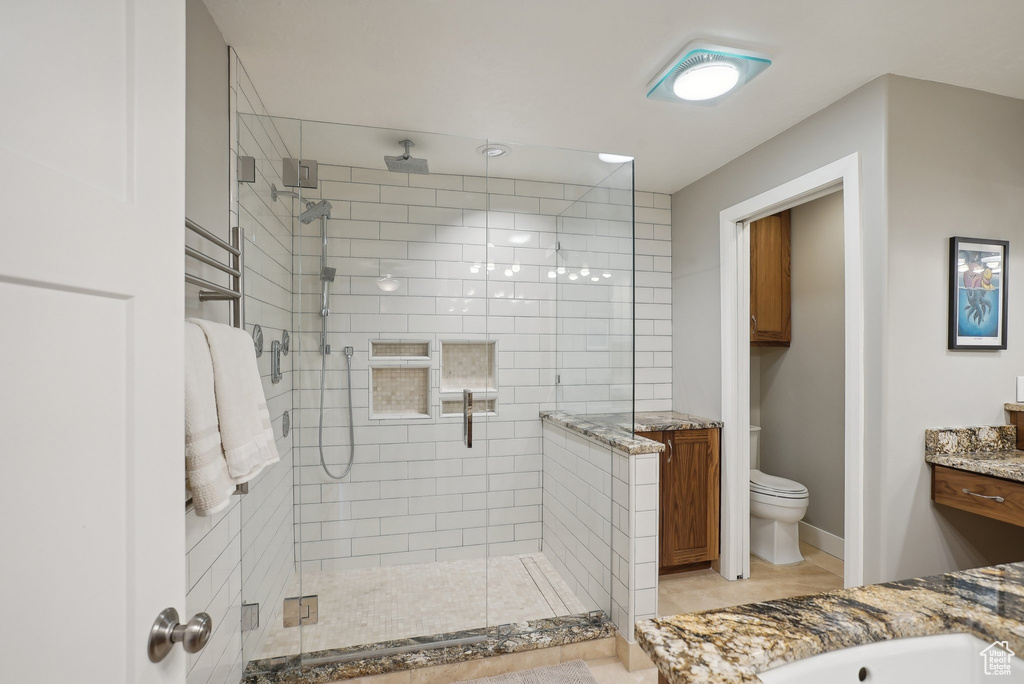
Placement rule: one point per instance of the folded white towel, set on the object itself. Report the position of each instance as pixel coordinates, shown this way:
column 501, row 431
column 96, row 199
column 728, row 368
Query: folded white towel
column 245, row 430
column 206, row 471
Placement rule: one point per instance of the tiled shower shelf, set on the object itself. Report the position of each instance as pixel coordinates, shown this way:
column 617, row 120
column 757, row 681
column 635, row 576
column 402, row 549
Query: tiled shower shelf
column 399, row 392
column 468, row 364
column 389, row 351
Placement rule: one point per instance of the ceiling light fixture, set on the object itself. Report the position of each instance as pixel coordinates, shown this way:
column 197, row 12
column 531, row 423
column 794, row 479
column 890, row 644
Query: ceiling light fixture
column 614, row 158
column 706, row 81
column 493, row 150
column 703, row 73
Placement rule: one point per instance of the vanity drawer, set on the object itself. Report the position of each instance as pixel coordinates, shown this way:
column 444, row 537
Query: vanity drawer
column 948, row 485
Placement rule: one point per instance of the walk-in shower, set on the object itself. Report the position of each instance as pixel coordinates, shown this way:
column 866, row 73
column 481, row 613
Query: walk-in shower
column 510, row 277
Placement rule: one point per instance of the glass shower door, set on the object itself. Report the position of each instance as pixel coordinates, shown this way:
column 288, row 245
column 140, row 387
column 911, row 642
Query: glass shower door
column 387, row 547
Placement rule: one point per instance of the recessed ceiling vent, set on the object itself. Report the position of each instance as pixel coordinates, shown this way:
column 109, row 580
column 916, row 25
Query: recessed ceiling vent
column 704, row 73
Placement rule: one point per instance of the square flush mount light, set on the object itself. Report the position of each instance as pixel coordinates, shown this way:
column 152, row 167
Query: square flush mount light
column 704, row 73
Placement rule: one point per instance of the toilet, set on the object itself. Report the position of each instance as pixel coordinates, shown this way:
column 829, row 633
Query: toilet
column 776, row 507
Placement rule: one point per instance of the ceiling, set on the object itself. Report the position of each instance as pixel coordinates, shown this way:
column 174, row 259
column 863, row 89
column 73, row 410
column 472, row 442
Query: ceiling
column 571, row 73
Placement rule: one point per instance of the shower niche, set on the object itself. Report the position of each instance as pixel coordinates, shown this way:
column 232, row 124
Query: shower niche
column 469, row 365
column 399, row 392
column 399, row 379
column 399, row 350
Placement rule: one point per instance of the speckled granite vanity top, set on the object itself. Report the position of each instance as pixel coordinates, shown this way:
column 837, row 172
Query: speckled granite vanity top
column 616, row 429
column 732, row 645
column 983, row 450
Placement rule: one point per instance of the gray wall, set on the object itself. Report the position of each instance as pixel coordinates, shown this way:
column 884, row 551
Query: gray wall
column 956, row 159
column 801, row 387
column 206, row 120
column 206, row 138
column 956, row 167
column 855, row 123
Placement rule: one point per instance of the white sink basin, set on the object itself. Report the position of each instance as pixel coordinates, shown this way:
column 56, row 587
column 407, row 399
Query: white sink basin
column 939, row 659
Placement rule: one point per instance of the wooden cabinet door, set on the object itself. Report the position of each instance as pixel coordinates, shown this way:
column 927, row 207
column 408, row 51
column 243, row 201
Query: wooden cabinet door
column 689, row 497
column 770, row 323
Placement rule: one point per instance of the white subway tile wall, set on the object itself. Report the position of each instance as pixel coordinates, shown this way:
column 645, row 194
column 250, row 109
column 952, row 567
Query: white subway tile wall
column 472, row 256
column 596, row 500
column 245, row 553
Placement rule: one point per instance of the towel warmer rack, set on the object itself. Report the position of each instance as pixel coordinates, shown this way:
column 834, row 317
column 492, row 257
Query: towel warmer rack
column 212, row 292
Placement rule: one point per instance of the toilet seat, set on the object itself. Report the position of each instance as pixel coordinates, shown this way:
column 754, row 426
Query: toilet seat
column 775, row 487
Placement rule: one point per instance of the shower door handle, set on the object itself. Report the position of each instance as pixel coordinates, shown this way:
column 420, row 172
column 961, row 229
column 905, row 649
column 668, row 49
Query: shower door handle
column 467, row 418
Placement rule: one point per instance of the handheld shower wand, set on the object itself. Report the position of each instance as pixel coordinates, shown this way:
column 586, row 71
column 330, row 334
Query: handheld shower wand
column 322, row 210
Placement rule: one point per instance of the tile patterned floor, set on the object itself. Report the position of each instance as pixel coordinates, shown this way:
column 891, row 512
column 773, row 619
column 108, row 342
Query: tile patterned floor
column 688, row 592
column 370, row 605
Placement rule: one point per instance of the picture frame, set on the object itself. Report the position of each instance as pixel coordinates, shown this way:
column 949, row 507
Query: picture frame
column 977, row 293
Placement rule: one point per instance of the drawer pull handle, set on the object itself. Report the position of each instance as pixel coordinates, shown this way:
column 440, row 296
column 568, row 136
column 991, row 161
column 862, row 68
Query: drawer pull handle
column 997, row 499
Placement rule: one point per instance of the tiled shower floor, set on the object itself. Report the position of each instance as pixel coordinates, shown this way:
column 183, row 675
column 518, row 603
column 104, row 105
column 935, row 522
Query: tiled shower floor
column 371, row 605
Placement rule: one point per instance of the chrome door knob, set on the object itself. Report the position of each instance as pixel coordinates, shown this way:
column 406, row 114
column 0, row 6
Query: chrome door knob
column 167, row 631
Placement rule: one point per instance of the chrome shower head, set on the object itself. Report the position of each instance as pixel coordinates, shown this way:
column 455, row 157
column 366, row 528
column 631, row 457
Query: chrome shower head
column 405, row 163
column 327, row 274
column 315, row 211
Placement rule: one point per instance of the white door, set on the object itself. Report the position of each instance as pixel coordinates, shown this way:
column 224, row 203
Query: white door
column 92, row 140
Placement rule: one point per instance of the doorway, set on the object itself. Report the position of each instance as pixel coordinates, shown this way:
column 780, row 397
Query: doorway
column 844, row 175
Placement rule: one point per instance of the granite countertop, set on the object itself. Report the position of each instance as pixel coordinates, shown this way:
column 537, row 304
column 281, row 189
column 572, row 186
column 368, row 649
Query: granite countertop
column 732, row 645
column 617, row 430
column 1013, row 406
column 986, row 450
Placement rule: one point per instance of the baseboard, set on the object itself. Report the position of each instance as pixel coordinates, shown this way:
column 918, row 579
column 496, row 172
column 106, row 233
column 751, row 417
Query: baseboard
column 820, row 539
column 630, row 655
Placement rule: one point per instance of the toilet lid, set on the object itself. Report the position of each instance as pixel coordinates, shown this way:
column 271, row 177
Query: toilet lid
column 776, row 486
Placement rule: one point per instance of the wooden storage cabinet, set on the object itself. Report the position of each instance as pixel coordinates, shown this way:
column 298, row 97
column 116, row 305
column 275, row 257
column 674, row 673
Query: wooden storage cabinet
column 770, row 299
column 689, row 513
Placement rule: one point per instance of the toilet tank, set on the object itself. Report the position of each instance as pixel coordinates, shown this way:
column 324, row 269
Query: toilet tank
column 755, row 446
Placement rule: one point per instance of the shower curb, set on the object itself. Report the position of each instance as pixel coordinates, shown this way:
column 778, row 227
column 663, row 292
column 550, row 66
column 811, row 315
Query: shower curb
column 318, row 667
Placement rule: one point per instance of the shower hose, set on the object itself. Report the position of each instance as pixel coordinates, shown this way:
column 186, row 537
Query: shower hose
column 351, row 423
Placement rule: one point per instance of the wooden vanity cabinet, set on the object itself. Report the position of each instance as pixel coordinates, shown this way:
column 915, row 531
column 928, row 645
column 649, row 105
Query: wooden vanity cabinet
column 689, row 514
column 770, row 302
column 992, row 497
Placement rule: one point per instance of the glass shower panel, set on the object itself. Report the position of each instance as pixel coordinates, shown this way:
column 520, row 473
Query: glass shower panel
column 264, row 552
column 385, row 546
column 550, row 515
column 595, row 298
column 405, row 291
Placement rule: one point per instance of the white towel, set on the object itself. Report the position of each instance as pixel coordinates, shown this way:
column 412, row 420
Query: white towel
column 206, row 471
column 245, row 430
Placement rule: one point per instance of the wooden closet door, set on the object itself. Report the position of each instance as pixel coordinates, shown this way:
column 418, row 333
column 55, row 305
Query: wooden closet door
column 690, row 497
column 770, row 323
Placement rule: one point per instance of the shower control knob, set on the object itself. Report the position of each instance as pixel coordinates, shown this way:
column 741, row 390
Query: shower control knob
column 166, row 632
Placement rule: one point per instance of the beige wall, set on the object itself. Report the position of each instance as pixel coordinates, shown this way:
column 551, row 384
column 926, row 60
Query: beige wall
column 801, row 387
column 935, row 161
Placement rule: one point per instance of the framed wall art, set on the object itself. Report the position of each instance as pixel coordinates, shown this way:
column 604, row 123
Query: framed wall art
column 977, row 293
